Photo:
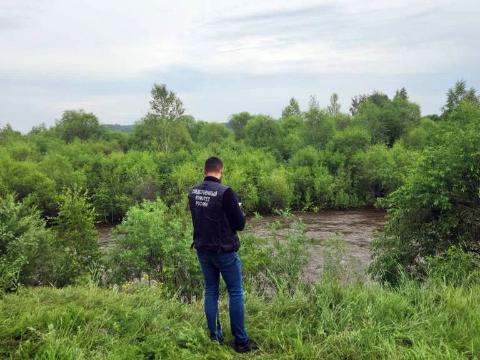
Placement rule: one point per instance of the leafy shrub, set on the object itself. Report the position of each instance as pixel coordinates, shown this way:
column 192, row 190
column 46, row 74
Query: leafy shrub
column 122, row 180
column 78, row 124
column 76, row 237
column 437, row 207
column 349, row 141
column 213, row 133
column 155, row 241
column 275, row 191
column 25, row 245
column 28, row 182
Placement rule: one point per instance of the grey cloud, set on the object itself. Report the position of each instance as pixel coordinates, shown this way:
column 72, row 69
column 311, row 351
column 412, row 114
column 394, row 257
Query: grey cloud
column 9, row 23
column 444, row 32
column 278, row 15
column 333, row 25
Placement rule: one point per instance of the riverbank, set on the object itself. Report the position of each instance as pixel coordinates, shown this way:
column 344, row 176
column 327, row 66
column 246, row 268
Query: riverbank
column 349, row 231
column 326, row 321
column 353, row 231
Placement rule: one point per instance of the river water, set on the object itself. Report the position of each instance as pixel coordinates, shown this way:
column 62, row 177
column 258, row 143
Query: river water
column 353, row 229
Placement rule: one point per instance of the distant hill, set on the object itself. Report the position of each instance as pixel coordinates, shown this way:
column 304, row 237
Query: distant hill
column 117, row 127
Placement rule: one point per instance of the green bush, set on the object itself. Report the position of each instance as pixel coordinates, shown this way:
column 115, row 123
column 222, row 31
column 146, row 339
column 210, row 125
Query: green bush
column 275, row 191
column 25, row 245
column 437, row 206
column 213, row 133
column 78, row 124
column 349, row 141
column 76, row 237
column 154, row 241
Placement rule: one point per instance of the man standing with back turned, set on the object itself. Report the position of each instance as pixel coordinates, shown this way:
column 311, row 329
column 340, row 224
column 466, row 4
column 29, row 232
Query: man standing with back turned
column 217, row 217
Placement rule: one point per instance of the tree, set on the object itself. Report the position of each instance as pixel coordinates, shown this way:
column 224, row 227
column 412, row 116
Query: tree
column 157, row 133
column 155, row 240
column 291, row 109
column 378, row 98
column 438, row 205
column 319, row 126
column 349, row 141
column 334, row 107
column 357, row 101
column 78, row 124
column 213, row 133
column 386, row 119
column 238, row 122
column 421, row 135
column 458, row 94
column 75, row 235
column 262, row 132
column 24, row 245
column 7, row 134
column 275, row 189
column 121, row 180
column 292, row 129
column 166, row 103
column 401, row 94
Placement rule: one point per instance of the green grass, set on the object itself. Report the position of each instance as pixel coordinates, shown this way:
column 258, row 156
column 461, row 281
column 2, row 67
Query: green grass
column 327, row 321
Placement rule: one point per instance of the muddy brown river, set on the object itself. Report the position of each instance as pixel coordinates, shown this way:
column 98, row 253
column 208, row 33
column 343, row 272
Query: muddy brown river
column 353, row 231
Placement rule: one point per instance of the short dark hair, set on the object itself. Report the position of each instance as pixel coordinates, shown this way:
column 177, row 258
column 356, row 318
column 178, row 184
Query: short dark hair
column 213, row 164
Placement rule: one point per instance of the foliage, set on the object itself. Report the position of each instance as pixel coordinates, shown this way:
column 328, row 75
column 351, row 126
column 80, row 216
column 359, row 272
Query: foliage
column 238, row 122
column 25, row 245
column 121, row 180
column 78, row 124
column 154, row 241
column 165, row 149
column 334, row 107
column 262, row 132
column 422, row 135
column 437, row 206
column 458, row 95
column 211, row 133
column 319, row 127
column 166, row 103
column 292, row 109
column 275, row 190
column 76, row 236
column 387, row 120
column 423, row 169
column 349, row 141
column 455, row 267
column 156, row 133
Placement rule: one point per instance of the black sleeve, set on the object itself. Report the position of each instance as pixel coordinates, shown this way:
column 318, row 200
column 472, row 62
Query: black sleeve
column 232, row 210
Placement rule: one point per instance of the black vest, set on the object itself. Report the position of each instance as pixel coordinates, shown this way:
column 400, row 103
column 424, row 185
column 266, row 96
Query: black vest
column 211, row 228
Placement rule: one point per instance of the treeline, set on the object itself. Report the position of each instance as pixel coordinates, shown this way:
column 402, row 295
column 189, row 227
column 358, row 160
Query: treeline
column 306, row 160
column 56, row 182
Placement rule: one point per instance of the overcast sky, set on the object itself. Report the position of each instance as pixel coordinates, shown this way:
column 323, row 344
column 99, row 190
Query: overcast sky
column 223, row 57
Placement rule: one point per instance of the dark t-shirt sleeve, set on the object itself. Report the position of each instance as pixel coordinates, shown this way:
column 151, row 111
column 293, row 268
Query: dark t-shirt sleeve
column 232, row 210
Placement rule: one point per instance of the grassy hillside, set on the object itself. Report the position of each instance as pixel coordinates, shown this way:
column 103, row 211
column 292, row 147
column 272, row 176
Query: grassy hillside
column 329, row 321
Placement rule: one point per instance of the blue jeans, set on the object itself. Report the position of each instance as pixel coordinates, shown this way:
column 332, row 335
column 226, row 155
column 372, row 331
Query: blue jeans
column 229, row 266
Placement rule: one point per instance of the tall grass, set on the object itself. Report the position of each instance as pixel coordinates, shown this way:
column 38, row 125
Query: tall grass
column 324, row 321
column 333, row 319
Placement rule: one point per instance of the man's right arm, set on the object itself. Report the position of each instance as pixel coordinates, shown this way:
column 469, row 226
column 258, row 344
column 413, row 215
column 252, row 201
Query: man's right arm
column 234, row 213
